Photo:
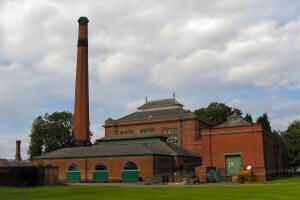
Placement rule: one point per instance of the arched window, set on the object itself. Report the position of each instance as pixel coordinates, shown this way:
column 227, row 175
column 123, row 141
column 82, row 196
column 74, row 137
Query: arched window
column 130, row 172
column 101, row 173
column 74, row 168
column 74, row 173
column 130, row 166
column 100, row 167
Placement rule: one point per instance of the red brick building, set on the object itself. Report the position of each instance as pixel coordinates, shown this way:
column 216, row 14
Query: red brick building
column 160, row 137
column 230, row 146
column 120, row 159
column 237, row 141
column 162, row 117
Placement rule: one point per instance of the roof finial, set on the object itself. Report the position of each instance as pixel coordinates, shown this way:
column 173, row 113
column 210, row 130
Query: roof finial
column 174, row 95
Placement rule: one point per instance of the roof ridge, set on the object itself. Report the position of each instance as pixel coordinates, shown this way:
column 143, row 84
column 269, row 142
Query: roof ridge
column 164, row 102
column 161, row 109
column 124, row 143
column 156, row 113
column 154, row 100
column 233, row 121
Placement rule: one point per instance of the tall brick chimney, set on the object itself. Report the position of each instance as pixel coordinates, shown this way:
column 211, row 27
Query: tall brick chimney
column 18, row 150
column 81, row 135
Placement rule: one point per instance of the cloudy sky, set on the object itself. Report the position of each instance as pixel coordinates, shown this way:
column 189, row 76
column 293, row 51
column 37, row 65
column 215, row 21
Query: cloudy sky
column 243, row 53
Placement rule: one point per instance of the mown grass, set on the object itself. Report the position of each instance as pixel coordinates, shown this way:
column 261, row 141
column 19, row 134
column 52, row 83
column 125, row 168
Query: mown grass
column 284, row 189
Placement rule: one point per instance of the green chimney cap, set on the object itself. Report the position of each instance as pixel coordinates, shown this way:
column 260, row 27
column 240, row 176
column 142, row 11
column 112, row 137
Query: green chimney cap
column 83, row 20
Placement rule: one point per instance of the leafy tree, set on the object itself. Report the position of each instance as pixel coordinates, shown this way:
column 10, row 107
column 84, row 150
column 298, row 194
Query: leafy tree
column 36, row 137
column 50, row 132
column 217, row 113
column 292, row 143
column 264, row 121
column 248, row 118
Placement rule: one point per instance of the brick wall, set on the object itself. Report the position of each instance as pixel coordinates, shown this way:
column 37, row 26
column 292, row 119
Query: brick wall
column 157, row 127
column 246, row 141
column 192, row 136
column 136, row 126
column 188, row 130
column 114, row 165
column 2, row 163
column 111, row 131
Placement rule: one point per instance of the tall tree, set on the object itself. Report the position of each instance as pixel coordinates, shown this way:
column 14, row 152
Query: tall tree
column 50, row 132
column 292, row 143
column 264, row 121
column 217, row 113
column 248, row 118
column 36, row 145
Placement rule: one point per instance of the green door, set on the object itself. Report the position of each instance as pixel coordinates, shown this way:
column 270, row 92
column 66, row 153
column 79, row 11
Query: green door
column 233, row 164
column 74, row 176
column 101, row 173
column 101, row 176
column 130, row 175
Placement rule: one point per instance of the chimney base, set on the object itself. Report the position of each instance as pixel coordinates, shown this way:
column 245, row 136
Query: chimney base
column 81, row 143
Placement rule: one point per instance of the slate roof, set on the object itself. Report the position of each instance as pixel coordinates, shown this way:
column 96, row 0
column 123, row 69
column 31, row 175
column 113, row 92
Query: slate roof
column 127, row 149
column 155, row 114
column 14, row 163
column 132, row 136
column 160, row 103
column 234, row 121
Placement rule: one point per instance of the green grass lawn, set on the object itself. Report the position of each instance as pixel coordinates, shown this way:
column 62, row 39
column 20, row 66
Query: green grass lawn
column 280, row 189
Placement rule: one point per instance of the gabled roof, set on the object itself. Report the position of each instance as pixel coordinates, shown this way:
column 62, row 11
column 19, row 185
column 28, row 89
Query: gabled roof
column 116, row 150
column 234, row 121
column 155, row 114
column 160, row 104
column 157, row 109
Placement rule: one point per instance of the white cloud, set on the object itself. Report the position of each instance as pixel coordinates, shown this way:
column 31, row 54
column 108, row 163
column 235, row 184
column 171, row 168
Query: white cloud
column 174, row 71
column 132, row 106
column 264, row 54
column 119, row 67
column 281, row 110
column 208, row 51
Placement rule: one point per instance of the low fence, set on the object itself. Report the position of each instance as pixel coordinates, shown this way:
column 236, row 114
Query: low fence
column 28, row 176
column 179, row 176
column 159, row 179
